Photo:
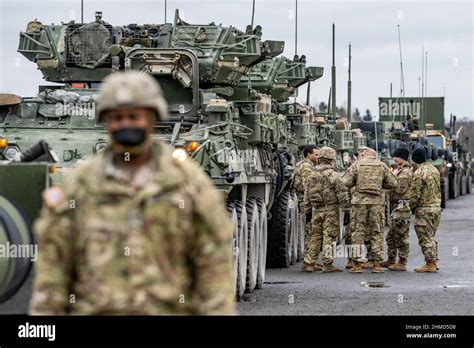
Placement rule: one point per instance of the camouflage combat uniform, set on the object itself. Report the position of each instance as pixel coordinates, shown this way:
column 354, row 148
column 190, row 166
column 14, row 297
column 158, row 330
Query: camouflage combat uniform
column 157, row 242
column 303, row 170
column 425, row 201
column 399, row 221
column 325, row 222
column 369, row 176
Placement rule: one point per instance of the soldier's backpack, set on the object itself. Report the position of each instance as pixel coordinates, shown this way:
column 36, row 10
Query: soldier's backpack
column 319, row 185
column 370, row 177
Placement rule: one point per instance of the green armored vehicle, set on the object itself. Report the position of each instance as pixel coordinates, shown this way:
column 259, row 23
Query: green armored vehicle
column 239, row 129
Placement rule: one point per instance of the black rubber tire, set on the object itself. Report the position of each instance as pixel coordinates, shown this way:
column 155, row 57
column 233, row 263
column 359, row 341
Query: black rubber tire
column 453, row 186
column 15, row 229
column 235, row 242
column 253, row 241
column 262, row 245
column 301, row 237
column 462, row 188
column 294, row 228
column 469, row 185
column 444, row 184
column 242, row 248
column 279, row 241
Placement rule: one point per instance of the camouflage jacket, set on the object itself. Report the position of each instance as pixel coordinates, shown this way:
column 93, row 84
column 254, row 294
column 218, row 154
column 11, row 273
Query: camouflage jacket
column 404, row 176
column 334, row 193
column 107, row 247
column 425, row 189
column 369, row 188
column 303, row 170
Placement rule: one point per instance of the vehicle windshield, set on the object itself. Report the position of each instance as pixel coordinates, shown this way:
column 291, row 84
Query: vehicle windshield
column 436, row 141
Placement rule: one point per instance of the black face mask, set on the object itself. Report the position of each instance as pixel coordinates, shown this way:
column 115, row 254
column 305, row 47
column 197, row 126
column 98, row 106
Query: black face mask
column 135, row 136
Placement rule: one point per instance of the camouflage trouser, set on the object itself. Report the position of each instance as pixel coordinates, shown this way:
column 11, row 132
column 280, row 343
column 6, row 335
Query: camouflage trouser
column 348, row 238
column 426, row 223
column 398, row 233
column 369, row 221
column 324, row 231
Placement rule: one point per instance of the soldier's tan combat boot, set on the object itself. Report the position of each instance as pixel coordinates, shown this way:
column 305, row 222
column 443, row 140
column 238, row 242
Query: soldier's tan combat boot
column 356, row 268
column 437, row 266
column 310, row 268
column 400, row 266
column 376, row 268
column 307, row 267
column 329, row 268
column 428, row 267
column 390, row 261
column 368, row 264
column 350, row 264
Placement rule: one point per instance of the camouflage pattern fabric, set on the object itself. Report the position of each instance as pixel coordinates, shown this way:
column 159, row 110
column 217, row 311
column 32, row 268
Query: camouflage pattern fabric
column 325, row 222
column 426, row 187
column 325, row 227
column 369, row 177
column 425, row 200
column 369, row 221
column 399, row 220
column 426, row 223
column 303, row 170
column 158, row 242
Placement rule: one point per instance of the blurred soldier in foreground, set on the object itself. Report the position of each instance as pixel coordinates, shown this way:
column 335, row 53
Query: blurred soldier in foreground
column 133, row 231
column 369, row 176
column 399, row 221
column 425, row 202
column 324, row 194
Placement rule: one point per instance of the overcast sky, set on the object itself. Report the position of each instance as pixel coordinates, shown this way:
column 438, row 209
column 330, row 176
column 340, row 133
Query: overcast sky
column 445, row 28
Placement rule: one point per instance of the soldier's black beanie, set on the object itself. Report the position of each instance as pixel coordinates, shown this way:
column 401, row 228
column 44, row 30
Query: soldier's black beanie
column 418, row 156
column 401, row 152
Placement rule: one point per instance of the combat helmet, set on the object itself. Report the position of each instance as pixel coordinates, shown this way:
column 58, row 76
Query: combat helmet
column 327, row 153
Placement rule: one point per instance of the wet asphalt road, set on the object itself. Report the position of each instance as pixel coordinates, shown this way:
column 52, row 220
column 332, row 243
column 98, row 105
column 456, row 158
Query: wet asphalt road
column 448, row 292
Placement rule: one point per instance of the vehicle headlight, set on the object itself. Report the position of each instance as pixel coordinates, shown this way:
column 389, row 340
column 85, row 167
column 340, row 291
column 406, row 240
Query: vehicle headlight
column 180, row 154
column 449, row 165
column 11, row 153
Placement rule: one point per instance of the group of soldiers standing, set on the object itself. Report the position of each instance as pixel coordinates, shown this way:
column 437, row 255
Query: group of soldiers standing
column 363, row 193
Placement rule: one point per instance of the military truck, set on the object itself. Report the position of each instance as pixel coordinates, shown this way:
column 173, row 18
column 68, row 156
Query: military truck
column 419, row 123
column 241, row 130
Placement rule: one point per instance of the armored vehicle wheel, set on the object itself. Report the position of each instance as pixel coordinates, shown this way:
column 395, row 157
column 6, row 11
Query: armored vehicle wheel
column 294, row 228
column 15, row 231
column 469, row 184
column 453, row 186
column 253, row 241
column 235, row 242
column 279, row 236
column 444, row 191
column 463, row 185
column 242, row 247
column 301, row 237
column 262, row 245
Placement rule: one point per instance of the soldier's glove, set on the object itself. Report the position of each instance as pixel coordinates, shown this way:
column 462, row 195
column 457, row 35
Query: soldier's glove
column 400, row 223
column 347, row 219
column 309, row 215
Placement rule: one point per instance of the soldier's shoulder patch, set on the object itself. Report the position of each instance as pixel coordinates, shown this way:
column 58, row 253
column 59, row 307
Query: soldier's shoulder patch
column 53, row 196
